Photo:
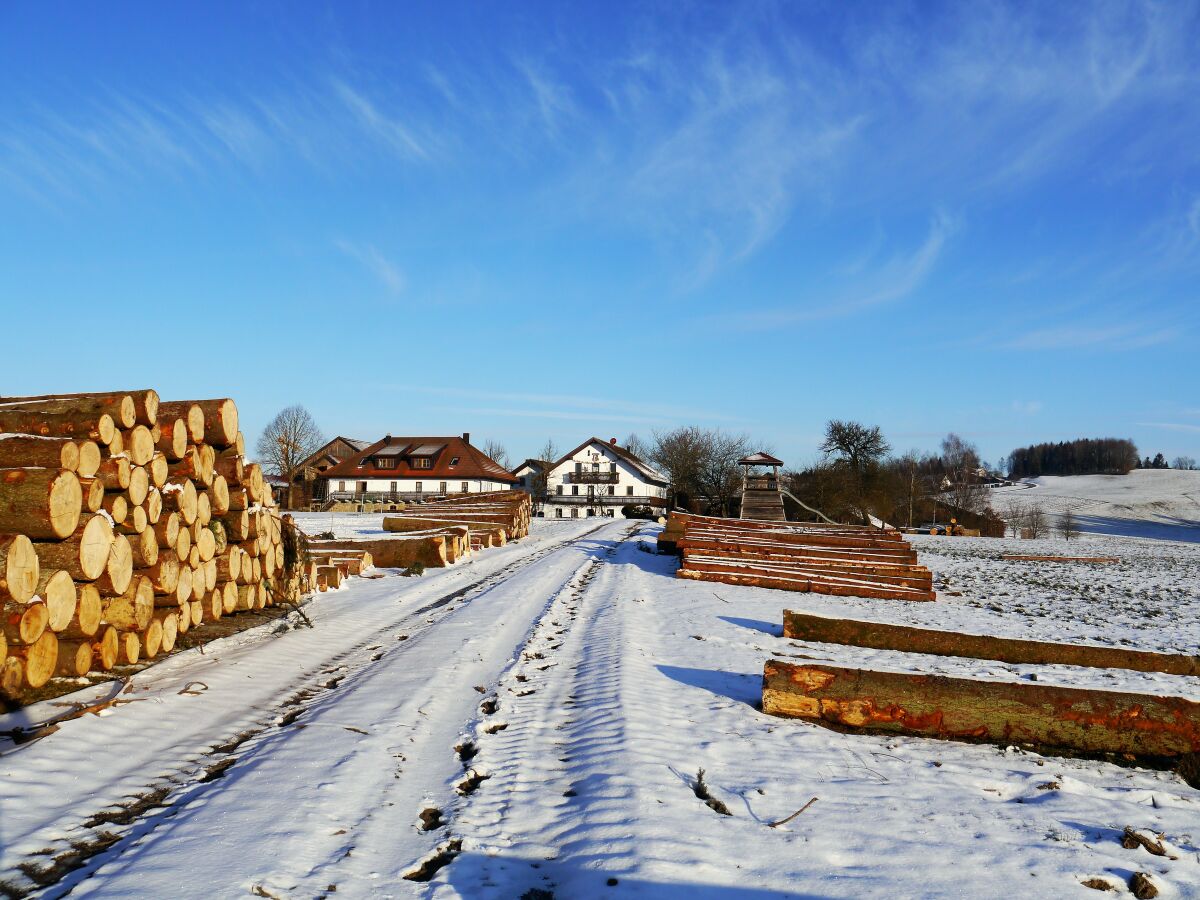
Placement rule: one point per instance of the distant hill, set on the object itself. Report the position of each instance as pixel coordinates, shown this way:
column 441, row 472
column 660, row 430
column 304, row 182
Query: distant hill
column 1149, row 503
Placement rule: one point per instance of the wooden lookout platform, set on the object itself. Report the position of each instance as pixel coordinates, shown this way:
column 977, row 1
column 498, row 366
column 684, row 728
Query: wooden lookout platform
column 761, row 498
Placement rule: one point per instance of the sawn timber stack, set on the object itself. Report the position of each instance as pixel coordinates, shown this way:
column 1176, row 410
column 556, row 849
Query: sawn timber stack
column 841, row 560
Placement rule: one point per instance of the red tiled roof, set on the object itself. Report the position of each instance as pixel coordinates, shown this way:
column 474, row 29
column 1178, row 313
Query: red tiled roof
column 442, row 451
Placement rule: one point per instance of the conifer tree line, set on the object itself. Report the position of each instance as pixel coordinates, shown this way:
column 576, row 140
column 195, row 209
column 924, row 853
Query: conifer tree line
column 1084, row 456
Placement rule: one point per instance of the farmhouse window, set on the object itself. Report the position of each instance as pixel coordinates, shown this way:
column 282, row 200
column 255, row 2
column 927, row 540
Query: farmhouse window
column 558, row 489
column 442, row 489
column 419, row 487
column 558, row 512
column 612, row 489
column 342, row 486
column 575, row 489
column 422, row 462
column 578, row 467
column 362, row 487
column 393, row 487
column 574, row 512
column 464, row 487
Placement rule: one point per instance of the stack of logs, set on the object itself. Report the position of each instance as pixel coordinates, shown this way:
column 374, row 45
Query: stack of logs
column 125, row 521
column 841, row 560
column 440, row 532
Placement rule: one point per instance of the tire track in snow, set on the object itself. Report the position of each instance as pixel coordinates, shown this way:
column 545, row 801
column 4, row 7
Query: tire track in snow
column 93, row 839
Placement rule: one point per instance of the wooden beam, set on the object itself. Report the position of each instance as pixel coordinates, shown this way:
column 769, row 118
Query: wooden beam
column 999, row 712
column 878, row 636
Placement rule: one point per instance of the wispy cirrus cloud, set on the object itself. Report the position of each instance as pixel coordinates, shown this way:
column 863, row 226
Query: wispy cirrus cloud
column 1083, row 336
column 1027, row 407
column 388, row 273
column 1188, row 427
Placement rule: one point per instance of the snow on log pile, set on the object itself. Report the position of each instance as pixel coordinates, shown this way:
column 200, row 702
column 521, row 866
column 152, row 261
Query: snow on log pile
column 125, row 521
column 840, row 560
column 489, row 520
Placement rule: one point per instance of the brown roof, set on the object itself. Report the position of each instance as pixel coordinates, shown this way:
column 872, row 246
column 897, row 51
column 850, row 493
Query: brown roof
column 451, row 457
column 761, row 458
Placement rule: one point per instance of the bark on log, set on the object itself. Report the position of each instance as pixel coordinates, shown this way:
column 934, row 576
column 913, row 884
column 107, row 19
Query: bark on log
column 12, row 677
column 129, row 648
column 19, row 451
column 166, row 529
column 173, row 439
column 24, row 624
column 79, row 425
column 116, row 506
column 1002, row 712
column 876, row 635
column 180, row 497
column 135, row 522
column 429, row 550
column 88, row 613
column 192, row 415
column 39, row 503
column 145, row 549
column 20, row 570
column 145, row 402
column 114, row 473
column 231, row 466
column 84, row 554
column 119, row 406
column 93, row 494
column 74, row 658
column 220, row 421
column 104, row 648
column 131, row 611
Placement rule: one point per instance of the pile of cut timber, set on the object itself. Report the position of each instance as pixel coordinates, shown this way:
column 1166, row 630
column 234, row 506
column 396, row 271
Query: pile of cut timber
column 841, row 560
column 467, row 522
column 125, row 521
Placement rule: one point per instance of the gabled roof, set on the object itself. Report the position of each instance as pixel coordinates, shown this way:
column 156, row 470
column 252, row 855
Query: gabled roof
column 621, row 453
column 450, row 457
column 323, row 451
column 534, row 464
column 760, row 459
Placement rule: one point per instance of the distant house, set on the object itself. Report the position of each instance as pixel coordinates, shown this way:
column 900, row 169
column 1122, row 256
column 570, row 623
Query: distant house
column 415, row 468
column 597, row 478
column 307, row 485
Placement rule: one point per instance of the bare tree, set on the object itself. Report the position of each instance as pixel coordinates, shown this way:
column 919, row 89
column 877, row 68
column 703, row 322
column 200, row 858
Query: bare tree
column 858, row 451
column 1068, row 525
column 1014, row 513
column 679, row 454
column 288, row 440
column 547, row 457
column 1035, row 520
column 720, row 476
column 638, row 447
column 1184, row 462
column 961, row 459
column 495, row 451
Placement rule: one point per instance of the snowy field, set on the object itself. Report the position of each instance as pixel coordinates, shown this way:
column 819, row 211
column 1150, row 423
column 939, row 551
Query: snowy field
column 541, row 713
column 1151, row 503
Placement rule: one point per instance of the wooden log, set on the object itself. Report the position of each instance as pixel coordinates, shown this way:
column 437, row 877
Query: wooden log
column 74, row 658
column 398, row 552
column 139, row 486
column 40, row 658
column 118, row 572
column 57, row 591
column 919, row 578
column 3, row 647
column 168, row 623
column 145, row 549
column 164, row 574
column 21, row 451
column 186, row 583
column 89, row 459
column 116, row 446
column 876, row 635
column 151, row 639
column 254, row 483
column 129, row 648
column 135, row 521
column 12, row 677
column 218, row 496
column 191, row 413
column 84, row 554
column 960, row 708
column 229, row 597
column 24, row 624
column 93, row 494
column 158, row 469
column 810, row 585
column 191, row 466
column 20, row 569
column 180, row 497
column 203, row 509
column 166, row 529
column 78, row 423
column 220, row 421
column 154, row 506
column 114, row 473
column 172, row 439
column 88, row 613
column 105, row 648
column 144, row 403
column 196, row 610
column 247, row 598
column 116, row 506
column 139, row 445
column 183, row 545
column 130, row 611
column 239, row 500
column 237, row 524
column 230, row 465
column 39, row 503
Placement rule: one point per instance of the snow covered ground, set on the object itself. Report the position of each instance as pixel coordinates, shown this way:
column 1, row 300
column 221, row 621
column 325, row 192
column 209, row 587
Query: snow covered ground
column 546, row 707
column 1151, row 503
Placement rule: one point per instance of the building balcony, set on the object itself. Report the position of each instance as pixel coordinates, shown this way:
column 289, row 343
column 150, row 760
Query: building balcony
column 605, row 499
column 593, row 477
column 761, row 483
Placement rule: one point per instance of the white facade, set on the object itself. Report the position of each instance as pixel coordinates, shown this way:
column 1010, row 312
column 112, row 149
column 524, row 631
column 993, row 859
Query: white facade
column 431, row 486
column 597, row 480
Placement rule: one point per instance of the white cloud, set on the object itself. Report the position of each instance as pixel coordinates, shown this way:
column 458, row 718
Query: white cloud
column 384, row 269
column 1172, row 426
column 1027, row 407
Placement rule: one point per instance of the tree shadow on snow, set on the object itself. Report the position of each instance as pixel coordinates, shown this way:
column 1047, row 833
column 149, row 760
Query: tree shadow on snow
column 501, row 875
column 739, row 686
column 1175, row 530
column 754, row 625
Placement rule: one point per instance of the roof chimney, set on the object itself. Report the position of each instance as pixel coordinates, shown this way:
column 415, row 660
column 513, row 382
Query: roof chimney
column 466, row 437
column 613, row 441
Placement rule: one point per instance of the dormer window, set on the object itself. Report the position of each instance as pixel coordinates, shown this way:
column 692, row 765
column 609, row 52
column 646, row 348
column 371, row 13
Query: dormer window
column 385, row 462
column 454, row 462
column 422, row 462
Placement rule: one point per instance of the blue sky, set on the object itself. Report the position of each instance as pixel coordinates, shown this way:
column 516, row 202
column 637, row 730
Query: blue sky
column 556, row 220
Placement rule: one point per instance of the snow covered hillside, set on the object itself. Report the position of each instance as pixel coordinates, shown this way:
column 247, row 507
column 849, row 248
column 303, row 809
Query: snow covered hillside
column 532, row 724
column 1150, row 503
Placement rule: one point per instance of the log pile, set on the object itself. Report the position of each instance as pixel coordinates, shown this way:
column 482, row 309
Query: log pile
column 840, row 560
column 125, row 521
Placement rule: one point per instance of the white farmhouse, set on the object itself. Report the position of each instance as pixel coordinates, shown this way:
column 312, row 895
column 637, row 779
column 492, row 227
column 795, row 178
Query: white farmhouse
column 598, row 478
